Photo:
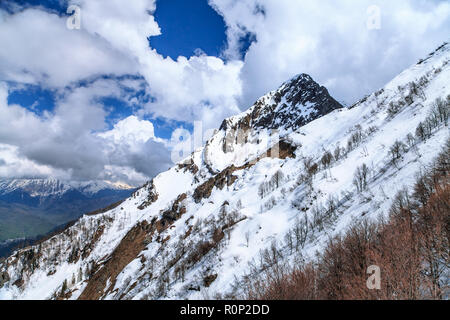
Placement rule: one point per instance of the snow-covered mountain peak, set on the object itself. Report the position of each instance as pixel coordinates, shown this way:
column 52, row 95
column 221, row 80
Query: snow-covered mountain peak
column 195, row 230
column 274, row 116
column 297, row 102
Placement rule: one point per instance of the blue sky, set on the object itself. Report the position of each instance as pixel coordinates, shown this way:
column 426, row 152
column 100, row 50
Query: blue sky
column 76, row 104
column 186, row 26
column 59, row 6
column 33, row 97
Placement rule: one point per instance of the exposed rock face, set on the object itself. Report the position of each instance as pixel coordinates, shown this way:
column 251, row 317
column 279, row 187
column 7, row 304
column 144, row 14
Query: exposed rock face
column 275, row 115
column 282, row 150
column 152, row 195
column 224, row 178
column 297, row 102
column 4, row 278
column 175, row 212
column 189, row 166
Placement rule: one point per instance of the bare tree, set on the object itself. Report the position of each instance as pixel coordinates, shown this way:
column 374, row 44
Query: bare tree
column 360, row 177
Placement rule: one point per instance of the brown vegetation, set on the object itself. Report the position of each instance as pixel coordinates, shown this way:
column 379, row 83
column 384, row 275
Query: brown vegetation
column 128, row 250
column 411, row 248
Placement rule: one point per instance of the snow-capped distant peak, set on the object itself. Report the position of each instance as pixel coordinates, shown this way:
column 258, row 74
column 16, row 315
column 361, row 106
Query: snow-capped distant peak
column 35, row 187
column 55, row 187
column 119, row 185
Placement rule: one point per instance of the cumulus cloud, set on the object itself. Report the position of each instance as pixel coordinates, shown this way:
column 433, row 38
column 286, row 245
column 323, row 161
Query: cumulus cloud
column 37, row 48
column 330, row 40
column 187, row 89
column 132, row 144
column 111, row 56
column 130, row 130
column 13, row 165
column 114, row 40
column 327, row 39
column 73, row 141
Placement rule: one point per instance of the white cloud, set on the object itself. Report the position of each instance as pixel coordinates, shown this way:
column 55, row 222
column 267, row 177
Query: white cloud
column 184, row 88
column 72, row 141
column 14, row 165
column 36, row 47
column 114, row 40
column 130, row 130
column 134, row 151
column 329, row 40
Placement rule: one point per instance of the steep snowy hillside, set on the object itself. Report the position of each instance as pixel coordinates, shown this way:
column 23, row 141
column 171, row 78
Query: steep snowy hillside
column 288, row 163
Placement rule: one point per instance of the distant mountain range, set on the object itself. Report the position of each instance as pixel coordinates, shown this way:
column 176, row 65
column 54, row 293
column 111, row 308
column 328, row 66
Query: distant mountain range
column 33, row 207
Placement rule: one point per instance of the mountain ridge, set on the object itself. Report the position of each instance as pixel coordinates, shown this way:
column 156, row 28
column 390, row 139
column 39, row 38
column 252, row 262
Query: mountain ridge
column 297, row 98
column 165, row 243
column 54, row 187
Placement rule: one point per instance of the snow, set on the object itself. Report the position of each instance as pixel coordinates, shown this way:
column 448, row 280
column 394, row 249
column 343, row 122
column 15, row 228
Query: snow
column 261, row 221
column 54, row 187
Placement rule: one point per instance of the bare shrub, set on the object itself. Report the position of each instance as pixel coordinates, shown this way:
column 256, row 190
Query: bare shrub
column 326, row 159
column 411, row 247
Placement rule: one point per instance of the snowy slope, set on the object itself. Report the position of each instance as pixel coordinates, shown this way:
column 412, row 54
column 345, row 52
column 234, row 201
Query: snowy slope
column 192, row 231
